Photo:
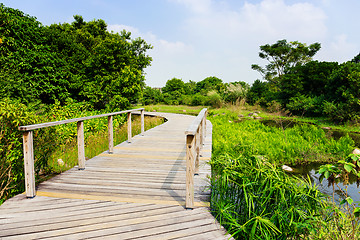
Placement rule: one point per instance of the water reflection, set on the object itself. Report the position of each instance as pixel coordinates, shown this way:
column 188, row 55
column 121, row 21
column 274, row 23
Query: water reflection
column 326, row 186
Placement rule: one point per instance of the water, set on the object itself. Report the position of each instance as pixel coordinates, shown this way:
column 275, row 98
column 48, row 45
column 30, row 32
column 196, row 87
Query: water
column 326, row 187
column 311, row 169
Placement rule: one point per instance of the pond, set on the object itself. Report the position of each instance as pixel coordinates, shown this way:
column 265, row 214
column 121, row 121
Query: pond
column 311, row 169
column 324, row 187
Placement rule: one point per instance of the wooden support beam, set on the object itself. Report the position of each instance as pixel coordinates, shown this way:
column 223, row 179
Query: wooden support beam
column 189, row 198
column 110, row 134
column 29, row 164
column 81, row 145
column 129, row 127
column 142, row 122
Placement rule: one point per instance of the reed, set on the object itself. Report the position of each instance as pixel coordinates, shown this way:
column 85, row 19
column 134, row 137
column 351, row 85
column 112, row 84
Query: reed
column 254, row 199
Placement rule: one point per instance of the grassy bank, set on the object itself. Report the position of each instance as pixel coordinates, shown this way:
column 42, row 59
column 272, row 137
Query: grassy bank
column 253, row 197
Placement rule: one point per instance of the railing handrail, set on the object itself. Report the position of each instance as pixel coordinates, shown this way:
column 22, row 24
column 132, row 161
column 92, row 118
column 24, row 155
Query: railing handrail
column 55, row 123
column 194, row 126
column 194, row 141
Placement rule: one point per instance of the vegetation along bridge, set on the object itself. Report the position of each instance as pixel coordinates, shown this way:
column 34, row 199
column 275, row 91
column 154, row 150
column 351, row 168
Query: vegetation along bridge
column 153, row 186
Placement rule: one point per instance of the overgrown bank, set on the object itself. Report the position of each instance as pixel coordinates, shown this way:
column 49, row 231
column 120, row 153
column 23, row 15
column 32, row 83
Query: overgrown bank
column 255, row 199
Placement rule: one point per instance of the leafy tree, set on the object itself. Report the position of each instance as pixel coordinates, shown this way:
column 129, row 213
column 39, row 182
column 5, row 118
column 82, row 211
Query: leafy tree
column 151, row 96
column 356, row 59
column 309, row 79
column 258, row 93
column 81, row 60
column 208, row 84
column 282, row 56
column 343, row 92
column 174, row 84
column 28, row 69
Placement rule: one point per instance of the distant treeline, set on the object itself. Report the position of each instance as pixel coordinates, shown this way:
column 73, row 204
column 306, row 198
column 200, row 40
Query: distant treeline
column 305, row 88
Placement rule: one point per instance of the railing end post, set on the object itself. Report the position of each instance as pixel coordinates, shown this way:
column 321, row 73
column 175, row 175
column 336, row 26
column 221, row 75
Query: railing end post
column 28, row 149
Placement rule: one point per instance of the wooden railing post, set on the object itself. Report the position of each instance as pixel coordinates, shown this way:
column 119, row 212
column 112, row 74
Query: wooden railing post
column 129, row 127
column 29, row 164
column 189, row 198
column 197, row 151
column 110, row 134
column 142, row 122
column 81, row 145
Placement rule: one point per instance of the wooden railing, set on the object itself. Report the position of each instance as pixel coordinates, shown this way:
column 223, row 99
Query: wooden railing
column 195, row 135
column 29, row 149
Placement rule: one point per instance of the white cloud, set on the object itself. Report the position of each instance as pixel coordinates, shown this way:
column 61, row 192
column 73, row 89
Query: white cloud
column 339, row 49
column 196, row 6
column 167, row 56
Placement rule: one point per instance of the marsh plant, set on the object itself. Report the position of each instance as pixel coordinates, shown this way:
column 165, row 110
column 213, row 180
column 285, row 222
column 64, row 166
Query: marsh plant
column 345, row 219
column 254, row 199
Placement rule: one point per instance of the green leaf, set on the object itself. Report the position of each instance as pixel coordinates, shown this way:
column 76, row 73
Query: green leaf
column 348, row 167
column 357, row 212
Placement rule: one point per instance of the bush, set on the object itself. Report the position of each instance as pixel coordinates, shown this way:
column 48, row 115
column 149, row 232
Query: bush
column 213, row 99
column 12, row 115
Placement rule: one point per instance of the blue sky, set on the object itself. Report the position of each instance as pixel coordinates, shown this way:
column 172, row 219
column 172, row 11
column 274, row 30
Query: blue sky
column 194, row 39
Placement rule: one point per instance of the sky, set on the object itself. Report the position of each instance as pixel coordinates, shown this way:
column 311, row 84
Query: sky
column 195, row 39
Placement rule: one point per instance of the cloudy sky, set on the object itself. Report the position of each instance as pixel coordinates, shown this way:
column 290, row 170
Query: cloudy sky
column 194, row 39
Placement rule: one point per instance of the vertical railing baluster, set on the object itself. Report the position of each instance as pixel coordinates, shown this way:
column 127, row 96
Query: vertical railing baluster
column 29, row 164
column 110, row 134
column 129, row 127
column 81, row 145
column 189, row 198
column 142, row 122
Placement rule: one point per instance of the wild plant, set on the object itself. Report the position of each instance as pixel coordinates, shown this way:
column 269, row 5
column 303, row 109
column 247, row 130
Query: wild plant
column 254, row 199
column 346, row 219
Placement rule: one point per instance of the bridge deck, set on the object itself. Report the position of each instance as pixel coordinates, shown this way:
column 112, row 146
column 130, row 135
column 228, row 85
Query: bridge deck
column 138, row 192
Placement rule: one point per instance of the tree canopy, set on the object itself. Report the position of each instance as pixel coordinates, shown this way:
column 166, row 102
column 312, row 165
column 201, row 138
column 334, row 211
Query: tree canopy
column 79, row 60
column 283, row 56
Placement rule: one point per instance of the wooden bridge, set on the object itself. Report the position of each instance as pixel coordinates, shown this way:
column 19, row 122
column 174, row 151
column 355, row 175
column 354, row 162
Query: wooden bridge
column 149, row 187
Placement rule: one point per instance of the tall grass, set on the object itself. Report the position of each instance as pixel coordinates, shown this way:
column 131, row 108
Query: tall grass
column 254, row 199
column 301, row 143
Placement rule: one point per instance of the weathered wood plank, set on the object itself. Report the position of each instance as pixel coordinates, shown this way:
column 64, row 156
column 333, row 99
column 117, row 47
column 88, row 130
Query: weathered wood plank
column 51, row 124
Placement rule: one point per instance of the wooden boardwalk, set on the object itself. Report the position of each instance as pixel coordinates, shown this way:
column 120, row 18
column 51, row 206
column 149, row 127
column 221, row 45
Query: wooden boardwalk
column 138, row 192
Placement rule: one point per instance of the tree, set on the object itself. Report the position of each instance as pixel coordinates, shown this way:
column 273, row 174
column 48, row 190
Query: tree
column 174, row 84
column 282, row 56
column 356, row 59
column 209, row 83
column 80, row 61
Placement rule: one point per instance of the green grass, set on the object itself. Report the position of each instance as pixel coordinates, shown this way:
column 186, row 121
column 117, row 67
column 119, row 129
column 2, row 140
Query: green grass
column 182, row 109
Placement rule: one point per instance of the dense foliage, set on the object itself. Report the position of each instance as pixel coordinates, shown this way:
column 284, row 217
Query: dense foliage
column 253, row 197
column 81, row 61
